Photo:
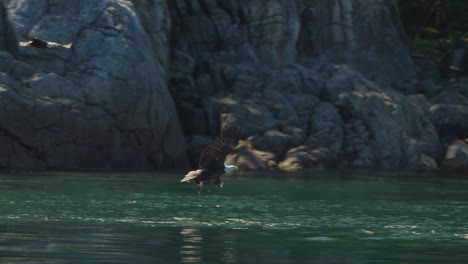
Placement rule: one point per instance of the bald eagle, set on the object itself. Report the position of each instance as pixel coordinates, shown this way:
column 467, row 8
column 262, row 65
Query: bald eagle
column 211, row 165
column 41, row 44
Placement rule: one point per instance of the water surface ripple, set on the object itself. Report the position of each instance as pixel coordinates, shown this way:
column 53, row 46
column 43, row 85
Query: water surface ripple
column 325, row 217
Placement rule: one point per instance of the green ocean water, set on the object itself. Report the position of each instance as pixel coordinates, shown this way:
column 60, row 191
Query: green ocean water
column 314, row 217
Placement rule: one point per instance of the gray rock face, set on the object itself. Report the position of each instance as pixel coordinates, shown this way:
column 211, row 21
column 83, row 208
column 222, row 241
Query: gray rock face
column 315, row 115
column 451, row 120
column 273, row 30
column 268, row 68
column 457, row 60
column 448, row 111
column 7, row 35
column 426, row 69
column 383, row 128
column 309, row 83
column 102, row 104
column 365, row 34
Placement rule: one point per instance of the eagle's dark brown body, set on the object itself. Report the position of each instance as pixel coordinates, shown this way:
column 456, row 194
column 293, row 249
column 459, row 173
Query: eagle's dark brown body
column 38, row 43
column 211, row 165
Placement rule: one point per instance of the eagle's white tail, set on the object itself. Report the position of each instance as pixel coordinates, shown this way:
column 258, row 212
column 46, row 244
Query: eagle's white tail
column 67, row 46
column 191, row 175
column 51, row 44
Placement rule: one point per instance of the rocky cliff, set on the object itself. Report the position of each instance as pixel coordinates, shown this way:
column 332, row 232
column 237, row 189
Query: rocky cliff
column 102, row 104
column 309, row 83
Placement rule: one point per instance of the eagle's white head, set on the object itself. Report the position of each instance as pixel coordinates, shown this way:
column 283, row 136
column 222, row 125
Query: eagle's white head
column 230, row 168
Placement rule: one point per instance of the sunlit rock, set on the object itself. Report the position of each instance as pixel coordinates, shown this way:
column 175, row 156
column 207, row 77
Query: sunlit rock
column 247, row 157
column 456, row 156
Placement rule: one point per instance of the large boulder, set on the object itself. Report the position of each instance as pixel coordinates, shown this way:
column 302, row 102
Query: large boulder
column 105, row 102
column 299, row 158
column 248, row 158
column 326, row 135
column 451, row 121
column 456, row 156
column 382, row 128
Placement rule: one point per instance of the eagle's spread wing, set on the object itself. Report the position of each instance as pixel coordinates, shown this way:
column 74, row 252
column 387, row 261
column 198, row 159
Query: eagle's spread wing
column 24, row 43
column 40, row 43
column 52, row 44
column 33, row 42
column 26, row 36
column 213, row 156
